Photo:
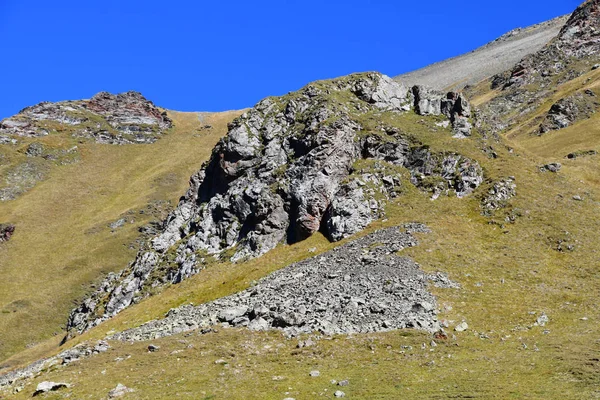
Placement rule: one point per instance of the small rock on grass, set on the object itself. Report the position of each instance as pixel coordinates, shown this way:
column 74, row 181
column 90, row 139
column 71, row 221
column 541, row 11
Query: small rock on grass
column 153, row 348
column 120, row 391
column 461, row 327
column 315, row 374
column 339, row 393
column 45, row 387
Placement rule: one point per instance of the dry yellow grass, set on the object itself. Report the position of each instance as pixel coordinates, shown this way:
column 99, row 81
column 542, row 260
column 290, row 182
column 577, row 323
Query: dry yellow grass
column 63, row 243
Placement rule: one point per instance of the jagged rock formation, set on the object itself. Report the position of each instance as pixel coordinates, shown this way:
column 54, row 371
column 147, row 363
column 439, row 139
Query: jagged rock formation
column 453, row 105
column 116, row 119
column 569, row 110
column 573, row 52
column 285, row 171
column 360, row 287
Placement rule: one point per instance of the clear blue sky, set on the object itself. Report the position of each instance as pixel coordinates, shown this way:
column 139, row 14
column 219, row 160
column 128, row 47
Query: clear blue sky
column 220, row 55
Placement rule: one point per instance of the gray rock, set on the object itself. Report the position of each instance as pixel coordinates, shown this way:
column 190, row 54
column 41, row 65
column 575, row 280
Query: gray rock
column 119, row 391
column 230, row 314
column 463, row 326
column 339, row 393
column 283, row 172
column 569, row 110
column 345, row 382
column 45, row 387
column 552, row 167
column 315, row 374
column 79, row 352
column 499, row 195
column 542, row 320
column 360, row 287
column 117, row 224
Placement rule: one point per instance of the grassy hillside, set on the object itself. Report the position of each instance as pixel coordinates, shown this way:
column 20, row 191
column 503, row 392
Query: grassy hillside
column 511, row 274
column 63, row 241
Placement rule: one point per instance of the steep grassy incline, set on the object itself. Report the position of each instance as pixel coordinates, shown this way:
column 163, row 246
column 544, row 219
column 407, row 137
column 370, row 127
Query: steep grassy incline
column 64, row 239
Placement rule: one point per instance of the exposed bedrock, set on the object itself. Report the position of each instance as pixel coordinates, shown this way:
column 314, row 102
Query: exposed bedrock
column 285, row 170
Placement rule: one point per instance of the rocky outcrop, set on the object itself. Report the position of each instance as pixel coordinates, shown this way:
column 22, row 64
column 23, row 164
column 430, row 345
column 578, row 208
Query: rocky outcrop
column 286, row 170
column 6, row 232
column 569, row 110
column 116, row 119
column 79, row 352
column 499, row 194
column 528, row 84
column 453, row 105
column 363, row 286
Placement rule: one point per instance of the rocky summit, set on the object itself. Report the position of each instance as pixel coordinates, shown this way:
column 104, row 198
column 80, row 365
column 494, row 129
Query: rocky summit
column 125, row 118
column 289, row 168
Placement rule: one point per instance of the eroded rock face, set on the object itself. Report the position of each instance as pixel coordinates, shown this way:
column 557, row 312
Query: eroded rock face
column 525, row 87
column 569, row 110
column 116, row 119
column 286, row 170
column 363, row 286
column 453, row 105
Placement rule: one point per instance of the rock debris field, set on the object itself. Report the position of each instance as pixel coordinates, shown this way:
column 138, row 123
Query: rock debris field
column 362, row 286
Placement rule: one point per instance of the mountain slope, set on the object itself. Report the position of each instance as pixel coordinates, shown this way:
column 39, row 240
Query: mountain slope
column 82, row 221
column 486, row 61
column 522, row 246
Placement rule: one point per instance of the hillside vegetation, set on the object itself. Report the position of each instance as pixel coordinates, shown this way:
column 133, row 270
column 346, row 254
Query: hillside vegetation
column 522, row 324
column 63, row 240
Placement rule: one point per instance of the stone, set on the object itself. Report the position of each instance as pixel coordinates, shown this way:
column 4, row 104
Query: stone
column 499, row 195
column 119, row 391
column 6, row 232
column 569, row 110
column 463, row 326
column 345, row 382
column 339, row 393
column 552, row 167
column 361, row 296
column 153, row 348
column 46, row 386
column 127, row 118
column 542, row 320
column 315, row 374
column 229, row 314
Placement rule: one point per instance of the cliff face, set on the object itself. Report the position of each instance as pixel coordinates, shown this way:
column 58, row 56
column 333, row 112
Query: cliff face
column 288, row 169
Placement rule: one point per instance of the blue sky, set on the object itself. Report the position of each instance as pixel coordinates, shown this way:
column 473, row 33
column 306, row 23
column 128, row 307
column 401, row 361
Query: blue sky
column 220, row 55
